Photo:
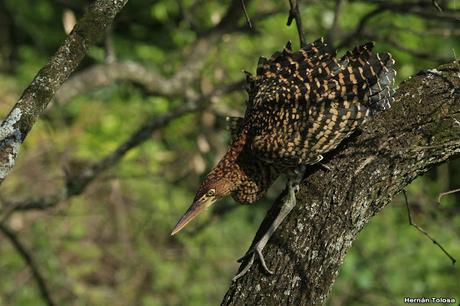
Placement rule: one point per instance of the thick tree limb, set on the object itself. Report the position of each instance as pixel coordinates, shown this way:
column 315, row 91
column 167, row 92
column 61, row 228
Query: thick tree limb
column 306, row 252
column 36, row 97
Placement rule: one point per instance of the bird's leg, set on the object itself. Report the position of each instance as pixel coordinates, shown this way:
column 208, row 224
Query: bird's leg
column 289, row 203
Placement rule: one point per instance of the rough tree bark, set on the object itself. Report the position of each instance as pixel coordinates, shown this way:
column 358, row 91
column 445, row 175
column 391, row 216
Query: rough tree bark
column 35, row 98
column 420, row 131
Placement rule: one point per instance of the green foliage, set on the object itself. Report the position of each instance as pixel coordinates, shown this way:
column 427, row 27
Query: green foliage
column 111, row 245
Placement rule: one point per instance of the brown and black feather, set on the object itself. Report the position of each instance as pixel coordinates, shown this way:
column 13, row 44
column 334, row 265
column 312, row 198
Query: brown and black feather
column 303, row 104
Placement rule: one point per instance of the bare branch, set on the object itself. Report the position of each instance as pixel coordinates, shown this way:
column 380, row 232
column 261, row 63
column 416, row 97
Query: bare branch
column 248, row 20
column 443, row 194
column 27, row 257
column 365, row 19
column 421, row 230
column 154, row 83
column 29, row 204
column 36, row 97
column 76, row 183
column 294, row 14
column 436, row 5
column 415, row 53
column 418, row 8
column 105, row 74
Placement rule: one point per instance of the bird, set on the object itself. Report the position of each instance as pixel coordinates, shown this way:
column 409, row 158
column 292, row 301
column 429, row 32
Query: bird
column 300, row 106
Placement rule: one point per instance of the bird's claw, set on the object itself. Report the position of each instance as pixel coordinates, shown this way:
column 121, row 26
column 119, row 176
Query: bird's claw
column 325, row 167
column 318, row 161
column 253, row 252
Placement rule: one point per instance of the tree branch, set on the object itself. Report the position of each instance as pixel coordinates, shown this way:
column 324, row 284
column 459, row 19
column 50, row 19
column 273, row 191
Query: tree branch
column 294, row 14
column 306, row 252
column 422, row 9
column 195, row 57
column 36, row 97
column 360, row 27
column 39, row 279
column 77, row 181
column 424, row 232
column 105, row 74
column 412, row 52
column 154, row 83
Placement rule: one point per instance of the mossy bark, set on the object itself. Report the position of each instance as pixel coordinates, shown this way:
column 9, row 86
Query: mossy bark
column 420, row 131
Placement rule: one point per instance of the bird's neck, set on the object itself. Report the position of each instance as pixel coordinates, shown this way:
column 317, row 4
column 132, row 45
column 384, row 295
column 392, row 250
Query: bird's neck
column 237, row 147
column 242, row 174
column 228, row 166
column 250, row 177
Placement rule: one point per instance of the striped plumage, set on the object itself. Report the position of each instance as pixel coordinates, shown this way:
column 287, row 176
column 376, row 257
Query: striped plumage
column 306, row 102
column 301, row 105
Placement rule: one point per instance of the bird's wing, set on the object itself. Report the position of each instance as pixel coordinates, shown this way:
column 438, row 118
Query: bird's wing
column 304, row 103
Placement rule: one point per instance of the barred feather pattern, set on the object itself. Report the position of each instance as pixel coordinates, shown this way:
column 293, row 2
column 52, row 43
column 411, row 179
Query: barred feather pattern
column 303, row 104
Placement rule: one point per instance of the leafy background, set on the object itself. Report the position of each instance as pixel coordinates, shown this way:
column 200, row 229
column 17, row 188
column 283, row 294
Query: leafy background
column 111, row 243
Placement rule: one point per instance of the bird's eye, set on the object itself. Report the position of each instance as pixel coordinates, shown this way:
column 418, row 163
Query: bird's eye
column 211, row 192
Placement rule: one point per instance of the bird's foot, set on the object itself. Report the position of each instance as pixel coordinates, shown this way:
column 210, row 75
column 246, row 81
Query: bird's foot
column 289, row 203
column 253, row 252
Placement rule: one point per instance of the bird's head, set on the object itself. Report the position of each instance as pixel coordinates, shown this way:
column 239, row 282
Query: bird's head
column 214, row 187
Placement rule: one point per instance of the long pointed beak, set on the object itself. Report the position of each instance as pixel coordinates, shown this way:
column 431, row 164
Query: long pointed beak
column 191, row 213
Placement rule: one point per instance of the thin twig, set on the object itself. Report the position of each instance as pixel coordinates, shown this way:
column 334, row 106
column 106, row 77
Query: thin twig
column 411, row 51
column 294, row 14
column 39, row 279
column 246, row 15
column 360, row 27
column 442, row 194
column 437, row 6
column 425, row 232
